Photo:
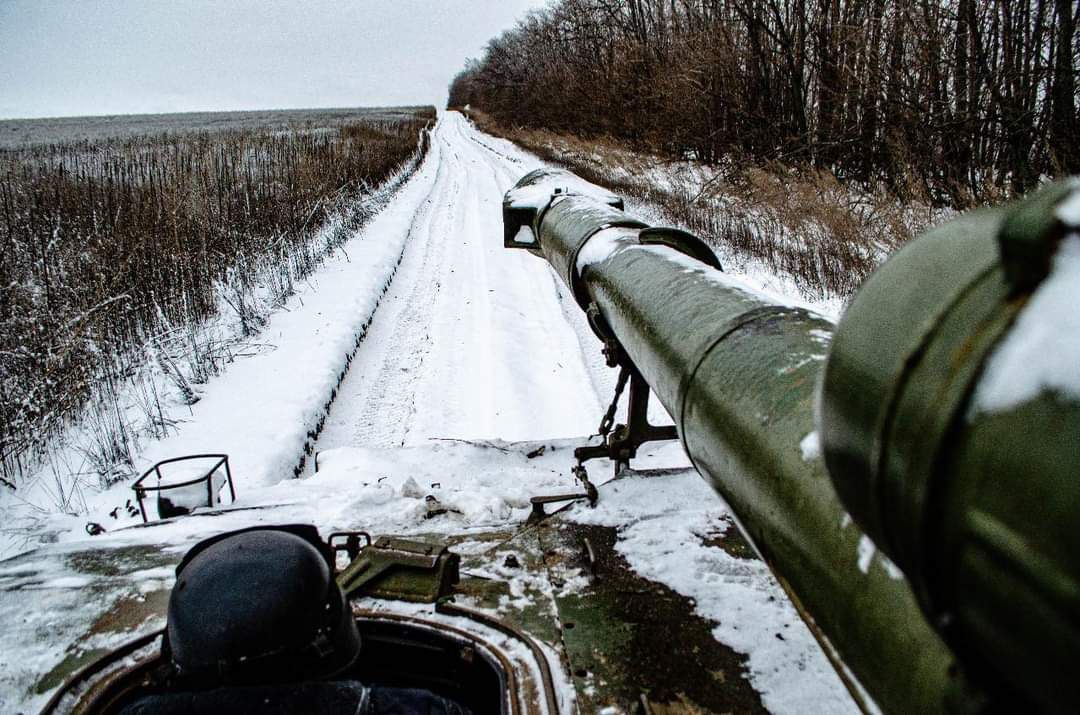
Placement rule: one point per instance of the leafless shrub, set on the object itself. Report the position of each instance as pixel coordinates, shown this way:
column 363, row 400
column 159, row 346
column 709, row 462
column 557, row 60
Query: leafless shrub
column 110, row 244
column 942, row 101
column 807, row 225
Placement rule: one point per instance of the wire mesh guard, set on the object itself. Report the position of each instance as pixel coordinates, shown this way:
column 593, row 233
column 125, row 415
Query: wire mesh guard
column 184, row 484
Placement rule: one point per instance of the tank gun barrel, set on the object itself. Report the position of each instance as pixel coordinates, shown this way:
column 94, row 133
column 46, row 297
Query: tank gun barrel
column 912, row 475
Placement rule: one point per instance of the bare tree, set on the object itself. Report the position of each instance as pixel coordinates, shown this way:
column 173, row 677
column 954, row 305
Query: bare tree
column 953, row 100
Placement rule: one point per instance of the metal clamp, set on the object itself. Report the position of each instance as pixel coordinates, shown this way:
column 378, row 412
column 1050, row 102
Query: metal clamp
column 349, row 542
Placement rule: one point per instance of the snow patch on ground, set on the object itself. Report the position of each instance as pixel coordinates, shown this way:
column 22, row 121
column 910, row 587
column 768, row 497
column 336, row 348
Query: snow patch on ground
column 263, row 410
column 663, row 523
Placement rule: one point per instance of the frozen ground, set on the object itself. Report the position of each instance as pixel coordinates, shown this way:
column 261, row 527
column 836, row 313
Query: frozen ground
column 19, row 133
column 470, row 360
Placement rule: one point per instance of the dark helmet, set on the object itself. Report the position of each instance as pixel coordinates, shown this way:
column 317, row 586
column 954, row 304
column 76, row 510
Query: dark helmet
column 259, row 606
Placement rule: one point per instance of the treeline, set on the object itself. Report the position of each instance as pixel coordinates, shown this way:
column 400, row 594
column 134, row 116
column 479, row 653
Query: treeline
column 953, row 101
column 109, row 247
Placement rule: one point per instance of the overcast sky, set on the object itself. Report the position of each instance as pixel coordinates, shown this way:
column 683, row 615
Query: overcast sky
column 131, row 56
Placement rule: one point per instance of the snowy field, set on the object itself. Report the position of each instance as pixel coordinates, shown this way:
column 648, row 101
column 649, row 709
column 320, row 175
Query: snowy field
column 459, row 358
column 20, row 133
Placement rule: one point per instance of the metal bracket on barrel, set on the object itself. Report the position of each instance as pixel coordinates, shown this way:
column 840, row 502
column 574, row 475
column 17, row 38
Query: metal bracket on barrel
column 621, row 442
column 538, row 503
column 682, row 241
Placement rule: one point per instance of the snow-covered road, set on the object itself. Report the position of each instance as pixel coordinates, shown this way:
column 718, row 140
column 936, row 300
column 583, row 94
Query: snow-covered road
column 472, row 340
column 471, row 378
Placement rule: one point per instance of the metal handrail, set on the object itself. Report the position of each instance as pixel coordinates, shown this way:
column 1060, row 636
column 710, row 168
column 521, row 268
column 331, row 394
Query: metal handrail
column 222, row 459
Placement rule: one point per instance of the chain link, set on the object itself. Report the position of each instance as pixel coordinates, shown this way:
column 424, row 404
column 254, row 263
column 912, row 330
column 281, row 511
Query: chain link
column 579, row 472
column 609, row 417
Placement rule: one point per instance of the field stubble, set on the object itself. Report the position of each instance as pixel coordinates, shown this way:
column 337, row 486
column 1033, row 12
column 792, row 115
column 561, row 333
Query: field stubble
column 125, row 254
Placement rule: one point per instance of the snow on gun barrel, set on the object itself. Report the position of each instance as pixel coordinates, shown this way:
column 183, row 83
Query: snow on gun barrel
column 976, row 500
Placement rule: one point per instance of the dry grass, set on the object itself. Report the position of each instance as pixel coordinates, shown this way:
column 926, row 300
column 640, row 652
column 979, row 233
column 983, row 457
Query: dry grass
column 115, row 251
column 799, row 223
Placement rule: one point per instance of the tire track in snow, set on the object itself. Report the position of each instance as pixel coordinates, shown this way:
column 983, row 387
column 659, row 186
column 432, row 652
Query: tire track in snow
column 398, row 322
column 470, row 340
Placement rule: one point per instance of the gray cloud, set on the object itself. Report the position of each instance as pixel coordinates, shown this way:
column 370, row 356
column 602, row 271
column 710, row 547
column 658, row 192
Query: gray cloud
column 125, row 56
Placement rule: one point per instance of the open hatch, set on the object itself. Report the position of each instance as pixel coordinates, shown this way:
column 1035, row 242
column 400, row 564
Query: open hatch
column 412, row 636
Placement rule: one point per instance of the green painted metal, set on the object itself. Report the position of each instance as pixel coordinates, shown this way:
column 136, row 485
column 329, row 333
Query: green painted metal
column 979, row 510
column 631, row 641
column 738, row 373
column 402, row 569
column 580, row 215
